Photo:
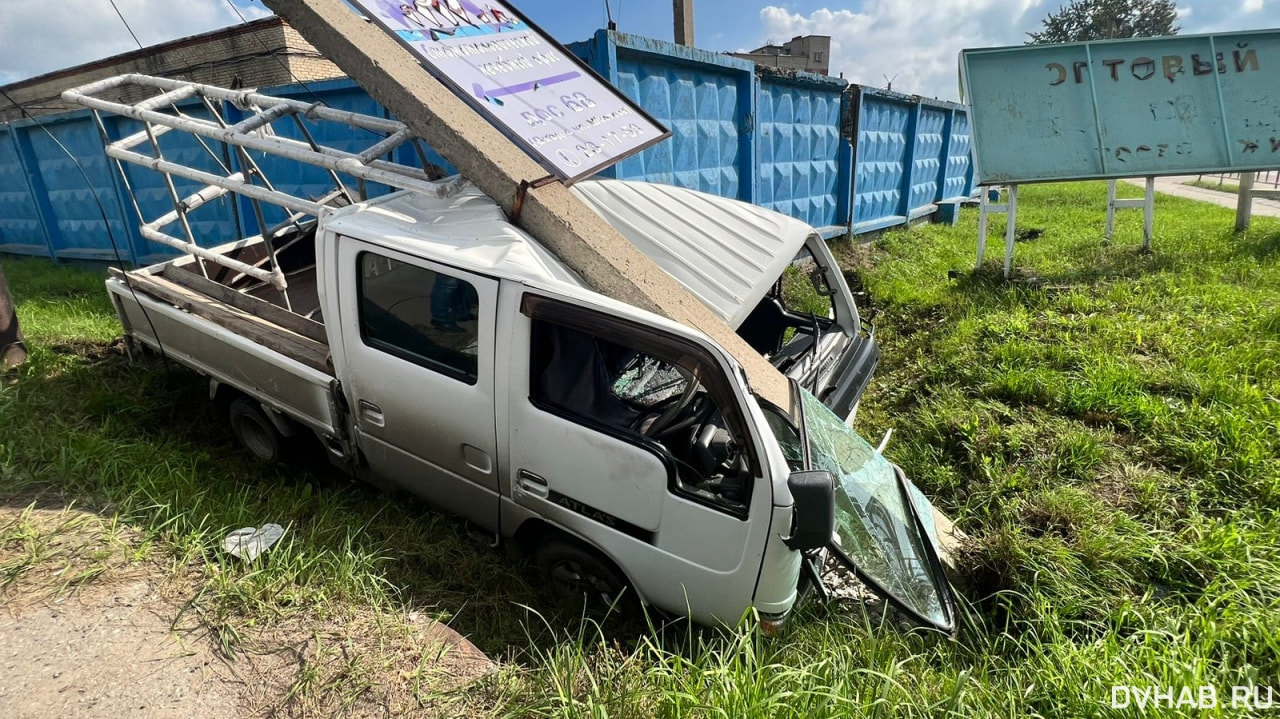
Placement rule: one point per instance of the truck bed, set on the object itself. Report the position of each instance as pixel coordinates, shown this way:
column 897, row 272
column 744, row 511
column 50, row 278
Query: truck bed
column 236, row 332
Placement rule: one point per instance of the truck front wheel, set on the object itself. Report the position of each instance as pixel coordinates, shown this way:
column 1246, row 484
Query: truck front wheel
column 255, row 431
column 576, row 571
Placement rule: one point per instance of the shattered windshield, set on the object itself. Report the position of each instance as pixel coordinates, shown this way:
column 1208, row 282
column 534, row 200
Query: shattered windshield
column 648, row 381
column 874, row 522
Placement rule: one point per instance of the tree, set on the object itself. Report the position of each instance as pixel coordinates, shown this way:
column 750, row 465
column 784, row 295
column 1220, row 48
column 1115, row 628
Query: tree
column 12, row 351
column 1108, row 19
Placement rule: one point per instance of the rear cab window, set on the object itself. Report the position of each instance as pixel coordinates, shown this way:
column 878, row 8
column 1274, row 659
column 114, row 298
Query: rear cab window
column 419, row 315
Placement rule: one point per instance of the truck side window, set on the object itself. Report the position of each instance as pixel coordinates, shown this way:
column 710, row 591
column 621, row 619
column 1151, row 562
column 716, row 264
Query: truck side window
column 419, row 315
column 646, row 400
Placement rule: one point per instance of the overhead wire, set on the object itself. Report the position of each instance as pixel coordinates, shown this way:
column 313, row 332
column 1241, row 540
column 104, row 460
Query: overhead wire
column 245, row 22
column 297, row 80
column 155, row 334
column 126, row 23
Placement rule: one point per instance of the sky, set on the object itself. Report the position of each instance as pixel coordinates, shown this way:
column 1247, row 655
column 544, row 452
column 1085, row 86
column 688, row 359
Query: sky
column 912, row 44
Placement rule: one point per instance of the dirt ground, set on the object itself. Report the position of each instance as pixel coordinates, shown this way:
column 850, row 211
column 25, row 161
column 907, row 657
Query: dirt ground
column 105, row 653
column 86, row 633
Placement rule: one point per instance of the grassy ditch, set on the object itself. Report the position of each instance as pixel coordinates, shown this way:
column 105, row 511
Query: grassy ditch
column 1105, row 426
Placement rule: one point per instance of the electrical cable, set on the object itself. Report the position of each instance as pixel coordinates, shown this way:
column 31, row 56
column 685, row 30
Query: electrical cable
column 128, row 283
column 106, row 222
column 295, row 78
column 285, row 67
column 126, row 23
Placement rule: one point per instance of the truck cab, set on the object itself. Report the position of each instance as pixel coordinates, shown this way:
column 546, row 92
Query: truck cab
column 770, row 277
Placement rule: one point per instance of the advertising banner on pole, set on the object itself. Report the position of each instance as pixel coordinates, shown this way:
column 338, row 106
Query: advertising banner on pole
column 541, row 96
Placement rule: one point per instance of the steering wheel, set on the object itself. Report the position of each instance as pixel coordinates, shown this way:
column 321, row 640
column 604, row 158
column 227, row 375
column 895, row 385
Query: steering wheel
column 699, row 412
column 669, row 415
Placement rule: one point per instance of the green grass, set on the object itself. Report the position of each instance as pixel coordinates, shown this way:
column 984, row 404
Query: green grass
column 1105, row 427
column 1230, row 187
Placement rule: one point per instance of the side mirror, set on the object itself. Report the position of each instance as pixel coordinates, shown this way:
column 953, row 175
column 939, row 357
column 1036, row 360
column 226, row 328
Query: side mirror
column 813, row 520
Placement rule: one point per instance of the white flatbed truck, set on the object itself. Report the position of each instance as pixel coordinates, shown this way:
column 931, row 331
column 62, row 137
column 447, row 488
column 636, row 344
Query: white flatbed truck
column 432, row 345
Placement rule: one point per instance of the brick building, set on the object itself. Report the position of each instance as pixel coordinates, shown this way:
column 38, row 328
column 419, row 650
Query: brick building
column 807, row 53
column 260, row 53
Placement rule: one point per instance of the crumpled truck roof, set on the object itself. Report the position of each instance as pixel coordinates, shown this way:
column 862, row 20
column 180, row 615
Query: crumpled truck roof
column 725, row 252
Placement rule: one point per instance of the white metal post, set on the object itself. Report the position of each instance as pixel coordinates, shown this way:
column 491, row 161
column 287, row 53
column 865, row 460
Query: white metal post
column 1111, row 209
column 1012, row 214
column 1148, row 214
column 986, row 208
column 984, row 205
column 1244, row 202
column 1147, row 204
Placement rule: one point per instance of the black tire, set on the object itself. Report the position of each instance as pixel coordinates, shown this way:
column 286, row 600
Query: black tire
column 576, row 572
column 255, row 431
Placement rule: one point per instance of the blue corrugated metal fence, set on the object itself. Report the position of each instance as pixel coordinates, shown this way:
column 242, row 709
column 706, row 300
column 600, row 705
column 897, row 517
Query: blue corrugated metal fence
column 841, row 157
column 909, row 155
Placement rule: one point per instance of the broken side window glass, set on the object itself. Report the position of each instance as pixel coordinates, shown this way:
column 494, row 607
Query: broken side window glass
column 802, row 287
column 645, row 399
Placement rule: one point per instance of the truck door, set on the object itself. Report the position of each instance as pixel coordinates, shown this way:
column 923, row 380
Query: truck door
column 417, row 370
column 636, row 439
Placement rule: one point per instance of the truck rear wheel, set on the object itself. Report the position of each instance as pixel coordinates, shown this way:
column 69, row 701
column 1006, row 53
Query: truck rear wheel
column 576, row 571
column 255, row 431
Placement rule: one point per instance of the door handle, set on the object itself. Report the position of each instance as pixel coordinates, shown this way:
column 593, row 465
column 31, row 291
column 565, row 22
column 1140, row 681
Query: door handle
column 532, row 483
column 371, row 413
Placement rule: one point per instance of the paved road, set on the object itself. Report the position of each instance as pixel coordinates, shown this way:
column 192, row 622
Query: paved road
column 1176, row 186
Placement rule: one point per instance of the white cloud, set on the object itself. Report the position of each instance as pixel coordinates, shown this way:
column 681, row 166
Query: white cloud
column 40, row 37
column 915, row 43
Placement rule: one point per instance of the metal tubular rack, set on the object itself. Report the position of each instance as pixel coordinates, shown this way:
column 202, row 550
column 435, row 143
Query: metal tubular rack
column 161, row 113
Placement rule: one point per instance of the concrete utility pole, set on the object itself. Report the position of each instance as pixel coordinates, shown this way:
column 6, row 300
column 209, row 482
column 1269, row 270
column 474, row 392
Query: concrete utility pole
column 683, row 10
column 555, row 216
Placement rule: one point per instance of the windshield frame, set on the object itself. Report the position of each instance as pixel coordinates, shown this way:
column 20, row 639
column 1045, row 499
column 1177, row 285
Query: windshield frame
column 798, row 402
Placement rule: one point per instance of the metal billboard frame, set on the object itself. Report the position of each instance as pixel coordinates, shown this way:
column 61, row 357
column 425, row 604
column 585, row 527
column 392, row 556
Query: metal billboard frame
column 1229, row 55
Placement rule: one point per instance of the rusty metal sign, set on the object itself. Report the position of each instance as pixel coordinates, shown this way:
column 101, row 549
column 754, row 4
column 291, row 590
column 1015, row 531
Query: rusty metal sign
column 1124, row 108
